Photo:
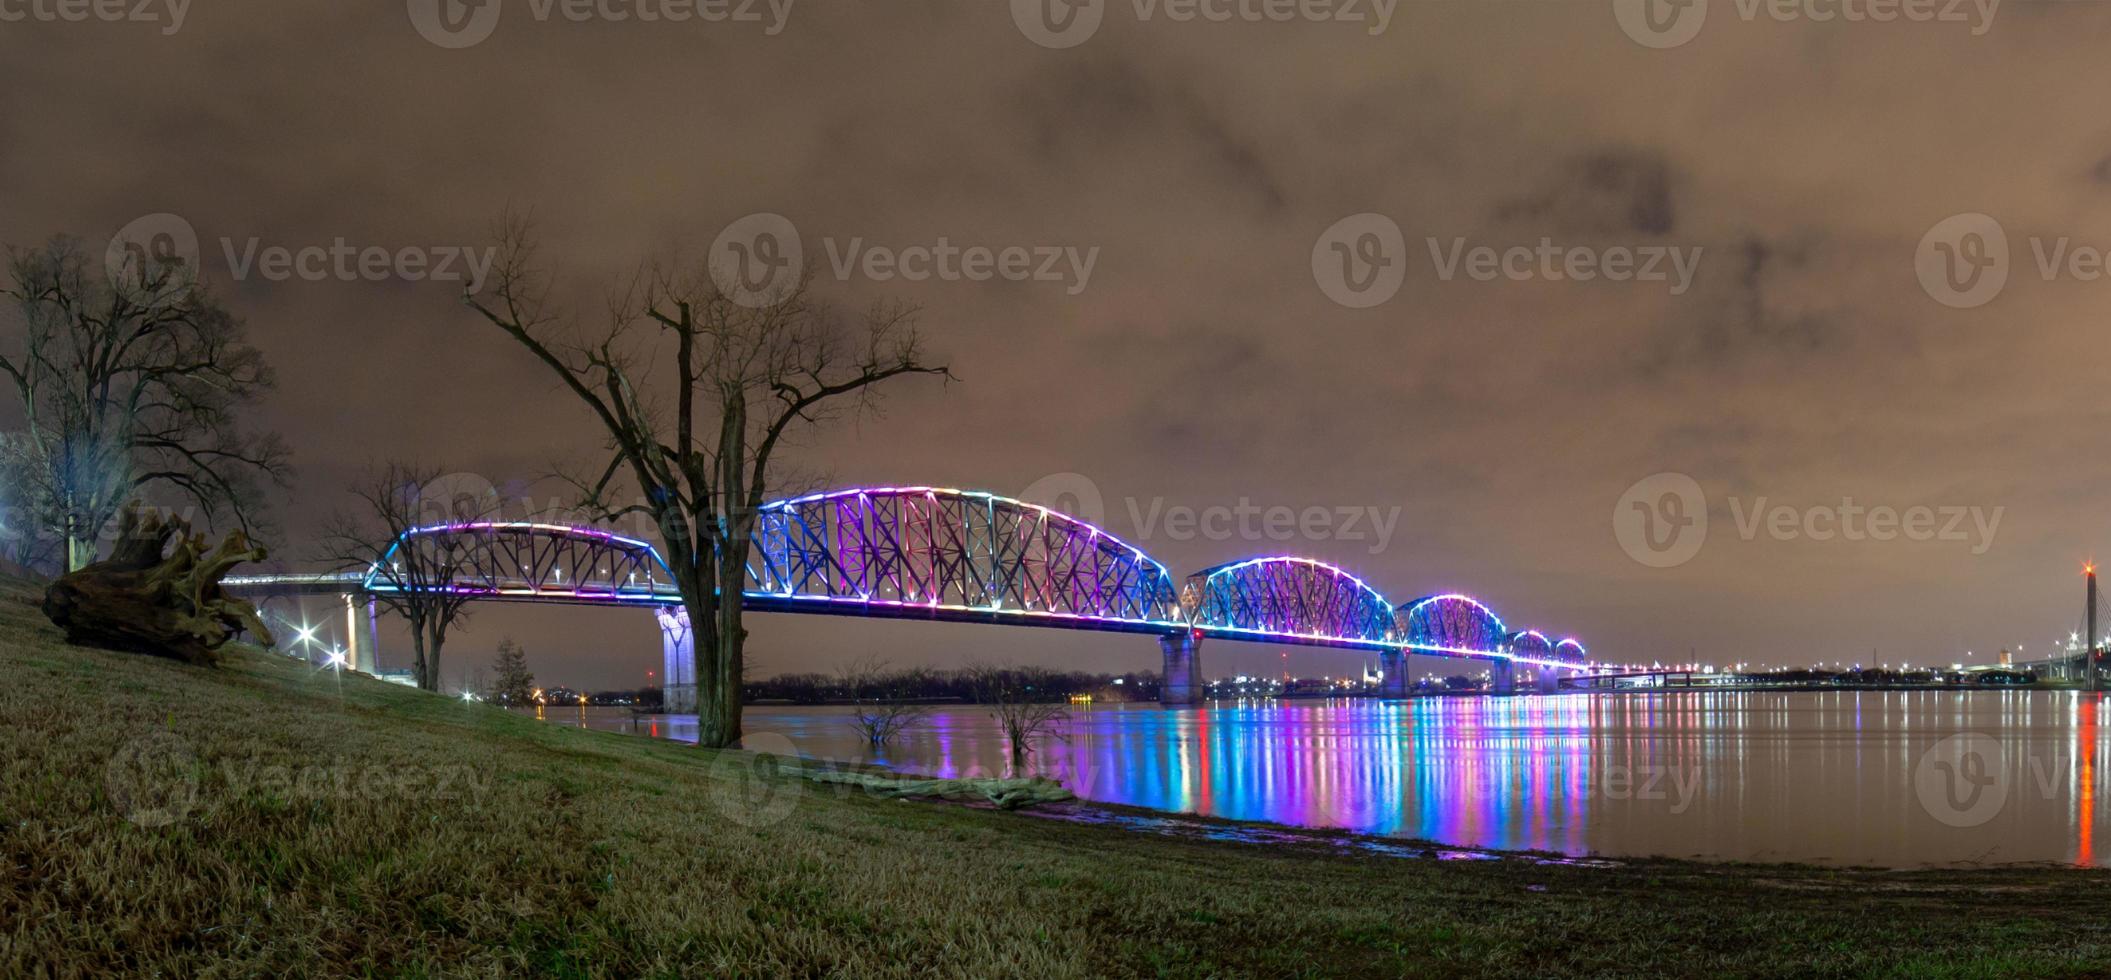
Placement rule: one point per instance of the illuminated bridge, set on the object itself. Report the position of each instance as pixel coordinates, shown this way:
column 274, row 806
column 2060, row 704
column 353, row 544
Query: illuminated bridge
column 949, row 556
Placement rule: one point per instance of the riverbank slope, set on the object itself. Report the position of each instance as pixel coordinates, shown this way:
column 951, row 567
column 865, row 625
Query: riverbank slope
column 267, row 818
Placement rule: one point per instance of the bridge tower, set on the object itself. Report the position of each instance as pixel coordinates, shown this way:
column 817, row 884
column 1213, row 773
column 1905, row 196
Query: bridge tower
column 1182, row 682
column 677, row 661
column 2092, row 651
column 1395, row 665
column 362, row 633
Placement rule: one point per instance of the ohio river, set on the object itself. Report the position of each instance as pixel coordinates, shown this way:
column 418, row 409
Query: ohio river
column 1897, row 779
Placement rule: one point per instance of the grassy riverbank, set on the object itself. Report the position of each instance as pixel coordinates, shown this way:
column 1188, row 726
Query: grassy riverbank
column 266, row 819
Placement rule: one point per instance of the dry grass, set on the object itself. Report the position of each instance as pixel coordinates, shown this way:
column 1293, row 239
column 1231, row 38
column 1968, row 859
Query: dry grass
column 283, row 822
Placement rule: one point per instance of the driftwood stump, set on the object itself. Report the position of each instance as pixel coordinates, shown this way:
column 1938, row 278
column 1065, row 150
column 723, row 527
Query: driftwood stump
column 153, row 597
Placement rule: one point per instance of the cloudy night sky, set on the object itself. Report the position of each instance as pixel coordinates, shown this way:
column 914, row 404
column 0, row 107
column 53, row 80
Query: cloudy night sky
column 1203, row 362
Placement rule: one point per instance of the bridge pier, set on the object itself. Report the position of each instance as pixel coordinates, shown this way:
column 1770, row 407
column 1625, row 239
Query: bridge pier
column 1182, row 681
column 1549, row 680
column 677, row 661
column 362, row 634
column 1398, row 675
column 1502, row 677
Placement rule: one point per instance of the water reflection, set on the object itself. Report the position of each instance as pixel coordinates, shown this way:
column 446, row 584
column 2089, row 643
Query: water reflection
column 1881, row 778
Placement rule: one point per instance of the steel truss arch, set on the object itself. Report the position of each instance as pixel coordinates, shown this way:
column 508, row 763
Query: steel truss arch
column 523, row 561
column 1571, row 651
column 1452, row 624
column 1285, row 597
column 953, row 554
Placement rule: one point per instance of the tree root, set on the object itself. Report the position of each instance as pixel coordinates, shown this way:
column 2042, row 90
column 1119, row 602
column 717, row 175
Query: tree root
column 141, row 601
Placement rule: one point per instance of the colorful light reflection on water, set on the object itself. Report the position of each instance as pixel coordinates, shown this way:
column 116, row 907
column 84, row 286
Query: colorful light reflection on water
column 1825, row 777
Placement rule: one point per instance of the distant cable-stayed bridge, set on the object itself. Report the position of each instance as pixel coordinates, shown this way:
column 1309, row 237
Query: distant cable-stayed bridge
column 948, row 556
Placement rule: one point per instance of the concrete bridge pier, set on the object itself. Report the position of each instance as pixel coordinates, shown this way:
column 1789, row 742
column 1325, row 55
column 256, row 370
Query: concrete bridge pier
column 1398, row 675
column 1549, row 680
column 362, row 634
column 1182, row 681
column 1502, row 677
column 677, row 661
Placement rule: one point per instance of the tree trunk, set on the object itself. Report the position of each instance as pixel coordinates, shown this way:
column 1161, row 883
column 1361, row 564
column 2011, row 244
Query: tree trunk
column 417, row 648
column 429, row 679
column 731, row 641
column 714, row 727
column 80, row 552
column 80, row 544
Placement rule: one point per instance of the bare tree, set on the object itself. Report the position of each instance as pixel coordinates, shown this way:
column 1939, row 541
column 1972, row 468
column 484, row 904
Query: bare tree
column 27, row 538
column 392, row 500
column 131, row 379
column 1026, row 702
column 697, row 438
column 877, row 693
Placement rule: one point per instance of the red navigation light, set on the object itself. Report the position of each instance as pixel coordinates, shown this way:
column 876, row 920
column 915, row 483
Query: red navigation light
column 2088, row 568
